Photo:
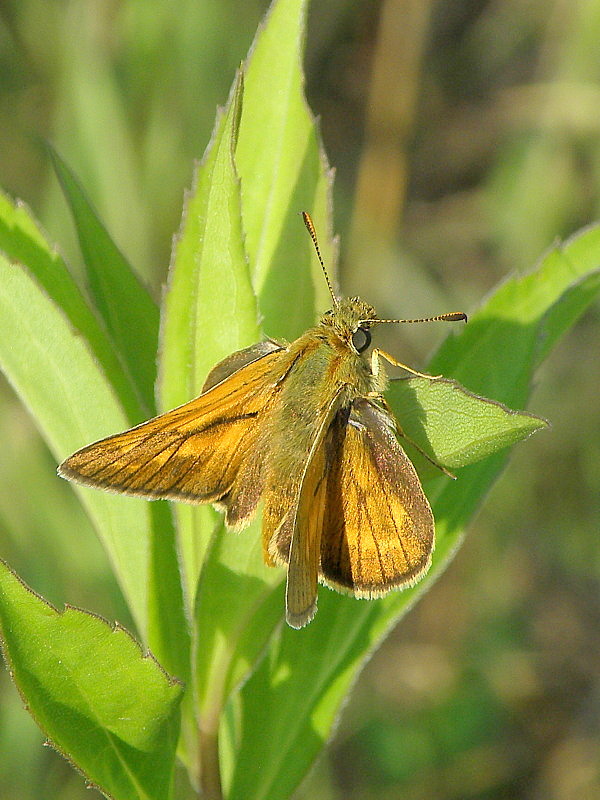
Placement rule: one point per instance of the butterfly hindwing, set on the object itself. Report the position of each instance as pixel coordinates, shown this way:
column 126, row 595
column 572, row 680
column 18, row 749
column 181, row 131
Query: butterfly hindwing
column 303, row 527
column 241, row 358
column 379, row 529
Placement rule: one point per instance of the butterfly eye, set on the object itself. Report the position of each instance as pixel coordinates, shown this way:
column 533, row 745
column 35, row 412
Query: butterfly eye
column 361, row 339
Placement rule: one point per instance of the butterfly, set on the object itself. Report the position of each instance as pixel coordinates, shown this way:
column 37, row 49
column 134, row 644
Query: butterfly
column 304, row 427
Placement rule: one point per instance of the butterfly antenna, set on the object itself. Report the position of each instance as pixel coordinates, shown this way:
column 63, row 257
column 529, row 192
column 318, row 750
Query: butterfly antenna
column 452, row 316
column 313, row 235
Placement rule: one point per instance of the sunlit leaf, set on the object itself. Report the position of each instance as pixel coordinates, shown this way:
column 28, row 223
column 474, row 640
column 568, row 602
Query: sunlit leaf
column 209, row 307
column 103, row 703
column 283, row 171
column 453, row 426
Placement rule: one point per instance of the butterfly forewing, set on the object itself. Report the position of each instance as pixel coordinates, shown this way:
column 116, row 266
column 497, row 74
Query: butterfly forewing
column 194, row 452
column 378, row 525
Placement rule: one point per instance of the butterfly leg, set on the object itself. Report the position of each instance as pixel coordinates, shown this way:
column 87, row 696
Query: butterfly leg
column 377, row 354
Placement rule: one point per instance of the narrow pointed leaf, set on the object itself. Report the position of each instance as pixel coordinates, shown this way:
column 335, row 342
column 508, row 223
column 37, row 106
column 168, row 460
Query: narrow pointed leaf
column 22, row 240
column 110, row 709
column 130, row 314
column 283, row 171
column 209, row 308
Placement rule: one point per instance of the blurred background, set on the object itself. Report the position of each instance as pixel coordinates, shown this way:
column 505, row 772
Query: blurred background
column 466, row 140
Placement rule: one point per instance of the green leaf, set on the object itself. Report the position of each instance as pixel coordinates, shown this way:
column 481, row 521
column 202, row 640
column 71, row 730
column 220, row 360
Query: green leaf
column 54, row 371
column 283, row 171
column 294, row 695
column 296, row 692
column 130, row 314
column 507, row 339
column 237, row 608
column 209, row 311
column 22, row 240
column 453, row 426
column 209, row 308
column 109, row 708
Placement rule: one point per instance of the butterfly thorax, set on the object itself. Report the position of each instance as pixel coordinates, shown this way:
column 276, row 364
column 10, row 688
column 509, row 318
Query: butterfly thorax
column 334, row 356
column 346, row 329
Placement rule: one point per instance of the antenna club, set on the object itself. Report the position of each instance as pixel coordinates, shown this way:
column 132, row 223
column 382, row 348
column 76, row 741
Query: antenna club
column 309, row 224
column 454, row 316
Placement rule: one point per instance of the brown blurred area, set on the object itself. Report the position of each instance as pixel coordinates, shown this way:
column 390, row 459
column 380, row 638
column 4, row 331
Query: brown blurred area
column 466, row 140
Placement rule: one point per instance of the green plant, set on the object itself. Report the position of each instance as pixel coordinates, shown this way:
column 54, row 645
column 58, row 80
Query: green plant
column 201, row 598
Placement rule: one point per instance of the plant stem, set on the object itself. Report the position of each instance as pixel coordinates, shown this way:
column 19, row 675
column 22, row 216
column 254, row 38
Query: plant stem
column 210, row 774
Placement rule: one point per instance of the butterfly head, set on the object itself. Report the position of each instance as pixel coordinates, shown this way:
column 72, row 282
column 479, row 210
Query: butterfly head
column 351, row 320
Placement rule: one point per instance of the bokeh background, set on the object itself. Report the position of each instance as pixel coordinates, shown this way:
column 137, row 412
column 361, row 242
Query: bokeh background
column 466, row 139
